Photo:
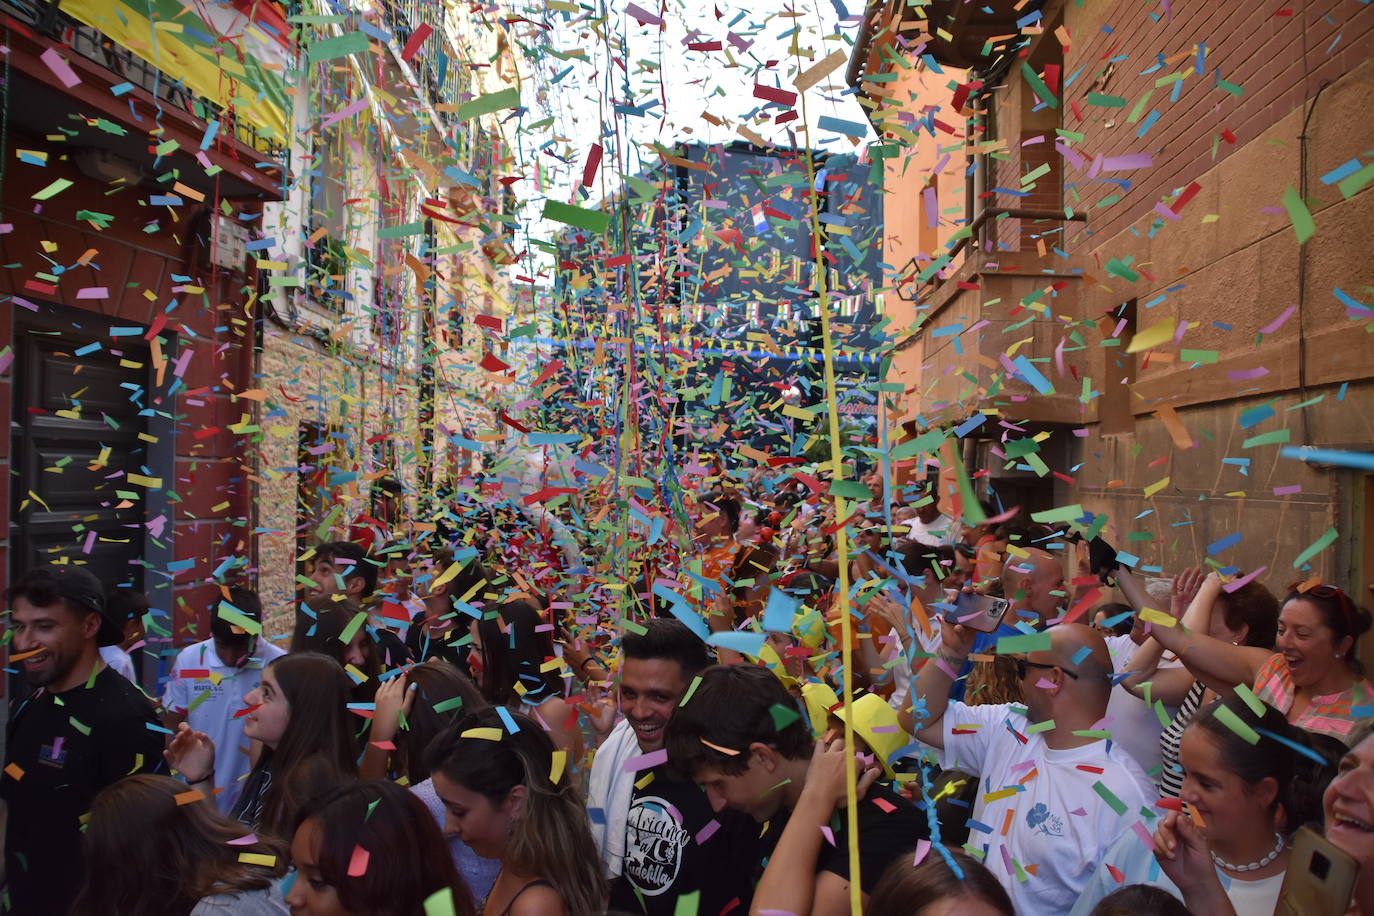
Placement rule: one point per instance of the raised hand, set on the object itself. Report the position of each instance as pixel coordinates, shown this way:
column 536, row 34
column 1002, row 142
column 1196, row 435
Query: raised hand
column 191, row 753
column 890, row 610
column 1183, row 589
column 956, row 639
column 394, row 699
column 826, row 778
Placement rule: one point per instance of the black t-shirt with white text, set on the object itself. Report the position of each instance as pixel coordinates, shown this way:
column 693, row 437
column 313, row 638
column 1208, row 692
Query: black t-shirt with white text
column 62, row 749
column 675, row 845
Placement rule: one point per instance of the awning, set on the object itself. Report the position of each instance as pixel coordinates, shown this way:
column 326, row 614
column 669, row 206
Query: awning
column 219, row 53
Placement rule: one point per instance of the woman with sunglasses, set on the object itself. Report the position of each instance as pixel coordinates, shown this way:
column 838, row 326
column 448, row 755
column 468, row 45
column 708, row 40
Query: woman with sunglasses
column 1313, row 679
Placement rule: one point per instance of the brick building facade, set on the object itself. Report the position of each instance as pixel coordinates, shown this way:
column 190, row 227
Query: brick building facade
column 1133, row 175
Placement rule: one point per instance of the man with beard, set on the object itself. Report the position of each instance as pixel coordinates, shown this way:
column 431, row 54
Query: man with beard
column 657, row 834
column 84, row 727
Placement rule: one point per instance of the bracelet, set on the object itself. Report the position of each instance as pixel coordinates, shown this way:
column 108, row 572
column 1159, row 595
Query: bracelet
column 953, row 661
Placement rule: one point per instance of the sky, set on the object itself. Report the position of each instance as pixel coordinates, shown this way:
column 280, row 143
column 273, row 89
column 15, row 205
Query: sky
column 639, row 61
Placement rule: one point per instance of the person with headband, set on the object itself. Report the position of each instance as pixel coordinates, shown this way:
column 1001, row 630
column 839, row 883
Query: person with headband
column 742, row 738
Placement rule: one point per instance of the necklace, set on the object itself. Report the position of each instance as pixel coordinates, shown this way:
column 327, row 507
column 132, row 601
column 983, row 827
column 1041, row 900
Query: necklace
column 1273, row 854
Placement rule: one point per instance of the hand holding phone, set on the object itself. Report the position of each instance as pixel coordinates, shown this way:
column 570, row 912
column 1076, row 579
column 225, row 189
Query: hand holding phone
column 983, row 613
column 1319, row 880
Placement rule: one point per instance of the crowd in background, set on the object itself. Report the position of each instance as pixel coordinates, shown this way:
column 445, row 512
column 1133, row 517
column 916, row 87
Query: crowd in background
column 590, row 708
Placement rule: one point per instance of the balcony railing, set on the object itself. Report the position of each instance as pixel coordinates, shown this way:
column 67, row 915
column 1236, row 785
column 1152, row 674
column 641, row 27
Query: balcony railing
column 906, row 288
column 92, row 44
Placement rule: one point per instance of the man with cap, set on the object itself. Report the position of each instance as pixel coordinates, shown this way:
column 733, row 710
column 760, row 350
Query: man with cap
column 82, row 728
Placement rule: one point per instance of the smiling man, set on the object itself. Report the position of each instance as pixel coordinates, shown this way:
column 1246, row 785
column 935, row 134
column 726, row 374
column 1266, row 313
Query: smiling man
column 657, row 834
column 83, row 728
column 741, row 736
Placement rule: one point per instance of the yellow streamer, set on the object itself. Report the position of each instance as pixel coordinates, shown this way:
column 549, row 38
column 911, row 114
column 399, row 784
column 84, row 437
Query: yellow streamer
column 841, row 513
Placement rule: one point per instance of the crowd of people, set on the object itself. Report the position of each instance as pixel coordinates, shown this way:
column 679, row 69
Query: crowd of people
column 524, row 711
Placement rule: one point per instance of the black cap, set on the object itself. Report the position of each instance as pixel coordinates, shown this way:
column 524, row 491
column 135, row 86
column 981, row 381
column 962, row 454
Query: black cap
column 80, row 586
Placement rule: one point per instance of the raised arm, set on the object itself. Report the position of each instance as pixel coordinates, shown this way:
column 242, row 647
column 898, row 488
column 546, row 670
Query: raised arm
column 393, row 700
column 781, row 890
column 931, row 679
column 1218, row 664
column 1147, row 680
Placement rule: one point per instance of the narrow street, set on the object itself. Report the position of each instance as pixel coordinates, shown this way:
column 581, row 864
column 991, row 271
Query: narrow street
column 474, row 376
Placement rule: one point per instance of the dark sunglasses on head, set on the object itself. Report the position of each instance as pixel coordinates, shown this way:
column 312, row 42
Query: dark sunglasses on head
column 1330, row 593
column 1024, row 663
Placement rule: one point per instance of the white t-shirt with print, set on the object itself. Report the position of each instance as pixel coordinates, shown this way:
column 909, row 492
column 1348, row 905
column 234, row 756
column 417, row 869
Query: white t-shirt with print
column 198, row 671
column 116, row 658
column 1045, row 827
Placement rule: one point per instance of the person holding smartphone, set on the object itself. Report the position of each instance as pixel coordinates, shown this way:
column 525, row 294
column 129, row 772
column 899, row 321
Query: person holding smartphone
column 1340, row 872
column 1249, row 799
column 1075, row 794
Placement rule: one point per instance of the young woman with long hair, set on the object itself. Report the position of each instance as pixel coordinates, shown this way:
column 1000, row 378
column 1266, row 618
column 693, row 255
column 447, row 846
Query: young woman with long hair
column 148, row 852
column 508, row 793
column 320, row 624
column 300, row 714
column 511, row 645
column 401, row 865
column 431, row 697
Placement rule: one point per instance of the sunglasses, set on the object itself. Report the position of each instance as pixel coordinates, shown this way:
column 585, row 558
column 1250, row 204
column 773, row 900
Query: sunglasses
column 1022, row 664
column 1330, row 593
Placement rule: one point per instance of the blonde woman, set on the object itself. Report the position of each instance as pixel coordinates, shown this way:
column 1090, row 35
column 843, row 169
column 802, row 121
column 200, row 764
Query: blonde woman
column 509, row 796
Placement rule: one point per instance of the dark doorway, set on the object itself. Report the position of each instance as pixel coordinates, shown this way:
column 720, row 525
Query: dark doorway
column 75, row 435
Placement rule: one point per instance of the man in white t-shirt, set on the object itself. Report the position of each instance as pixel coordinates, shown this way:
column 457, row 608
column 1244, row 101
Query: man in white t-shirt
column 208, row 683
column 931, row 526
column 1054, row 797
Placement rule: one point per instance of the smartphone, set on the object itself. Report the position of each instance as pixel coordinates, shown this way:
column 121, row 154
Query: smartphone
column 1319, row 880
column 977, row 612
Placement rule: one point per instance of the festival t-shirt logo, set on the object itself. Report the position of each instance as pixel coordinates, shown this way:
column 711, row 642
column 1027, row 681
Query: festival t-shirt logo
column 654, row 844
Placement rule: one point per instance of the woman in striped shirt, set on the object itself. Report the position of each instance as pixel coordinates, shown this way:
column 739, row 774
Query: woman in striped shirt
column 1247, row 616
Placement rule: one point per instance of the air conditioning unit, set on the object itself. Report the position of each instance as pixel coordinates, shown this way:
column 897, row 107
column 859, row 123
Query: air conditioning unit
column 229, row 244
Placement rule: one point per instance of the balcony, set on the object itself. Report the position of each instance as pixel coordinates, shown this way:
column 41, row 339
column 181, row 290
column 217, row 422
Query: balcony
column 972, row 35
column 956, row 362
column 124, row 98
